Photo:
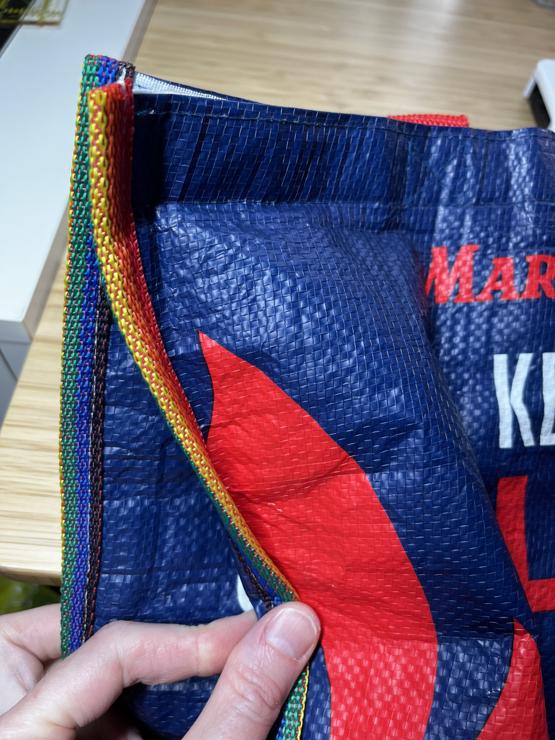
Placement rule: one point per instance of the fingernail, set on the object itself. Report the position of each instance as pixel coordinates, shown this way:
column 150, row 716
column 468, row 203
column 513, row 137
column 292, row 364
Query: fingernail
column 293, row 632
column 133, row 735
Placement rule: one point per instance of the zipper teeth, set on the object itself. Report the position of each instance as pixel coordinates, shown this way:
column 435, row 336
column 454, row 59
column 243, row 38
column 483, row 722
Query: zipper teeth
column 147, row 84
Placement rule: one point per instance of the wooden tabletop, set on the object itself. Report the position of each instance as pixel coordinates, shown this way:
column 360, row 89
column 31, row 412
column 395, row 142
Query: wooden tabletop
column 361, row 56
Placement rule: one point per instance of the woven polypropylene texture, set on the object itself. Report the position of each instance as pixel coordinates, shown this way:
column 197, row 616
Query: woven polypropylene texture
column 287, row 254
column 110, row 135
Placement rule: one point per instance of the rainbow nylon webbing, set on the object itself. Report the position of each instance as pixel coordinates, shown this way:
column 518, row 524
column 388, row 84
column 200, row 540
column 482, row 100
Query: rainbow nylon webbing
column 102, row 228
column 83, row 307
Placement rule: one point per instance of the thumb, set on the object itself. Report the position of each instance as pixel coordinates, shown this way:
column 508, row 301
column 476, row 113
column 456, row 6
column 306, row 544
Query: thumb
column 259, row 675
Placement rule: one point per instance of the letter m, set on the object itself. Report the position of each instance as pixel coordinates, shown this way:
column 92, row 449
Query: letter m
column 445, row 280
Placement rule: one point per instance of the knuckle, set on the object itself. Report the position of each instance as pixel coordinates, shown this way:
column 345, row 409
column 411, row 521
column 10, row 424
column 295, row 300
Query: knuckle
column 257, row 696
column 113, row 642
column 6, row 634
column 200, row 650
column 112, row 631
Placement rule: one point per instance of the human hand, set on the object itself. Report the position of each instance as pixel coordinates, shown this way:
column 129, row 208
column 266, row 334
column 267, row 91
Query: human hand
column 47, row 698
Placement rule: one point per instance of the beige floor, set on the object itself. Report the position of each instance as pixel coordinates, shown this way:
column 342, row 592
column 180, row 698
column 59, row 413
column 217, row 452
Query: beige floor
column 364, row 56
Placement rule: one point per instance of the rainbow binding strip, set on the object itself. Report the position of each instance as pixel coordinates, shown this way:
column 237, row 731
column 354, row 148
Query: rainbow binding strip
column 104, row 269
column 86, row 323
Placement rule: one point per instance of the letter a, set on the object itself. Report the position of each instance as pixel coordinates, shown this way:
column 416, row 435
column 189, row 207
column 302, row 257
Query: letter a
column 502, row 278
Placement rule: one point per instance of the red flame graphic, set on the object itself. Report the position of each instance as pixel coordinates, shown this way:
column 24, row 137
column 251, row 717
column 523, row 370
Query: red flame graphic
column 316, row 514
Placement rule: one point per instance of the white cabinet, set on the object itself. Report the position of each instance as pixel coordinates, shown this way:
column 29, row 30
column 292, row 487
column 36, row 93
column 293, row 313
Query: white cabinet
column 40, row 71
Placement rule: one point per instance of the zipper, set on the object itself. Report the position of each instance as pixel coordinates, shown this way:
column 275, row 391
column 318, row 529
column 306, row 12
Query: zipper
column 147, row 84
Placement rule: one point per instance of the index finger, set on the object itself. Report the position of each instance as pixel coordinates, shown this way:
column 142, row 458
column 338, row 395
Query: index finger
column 36, row 630
column 82, row 687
